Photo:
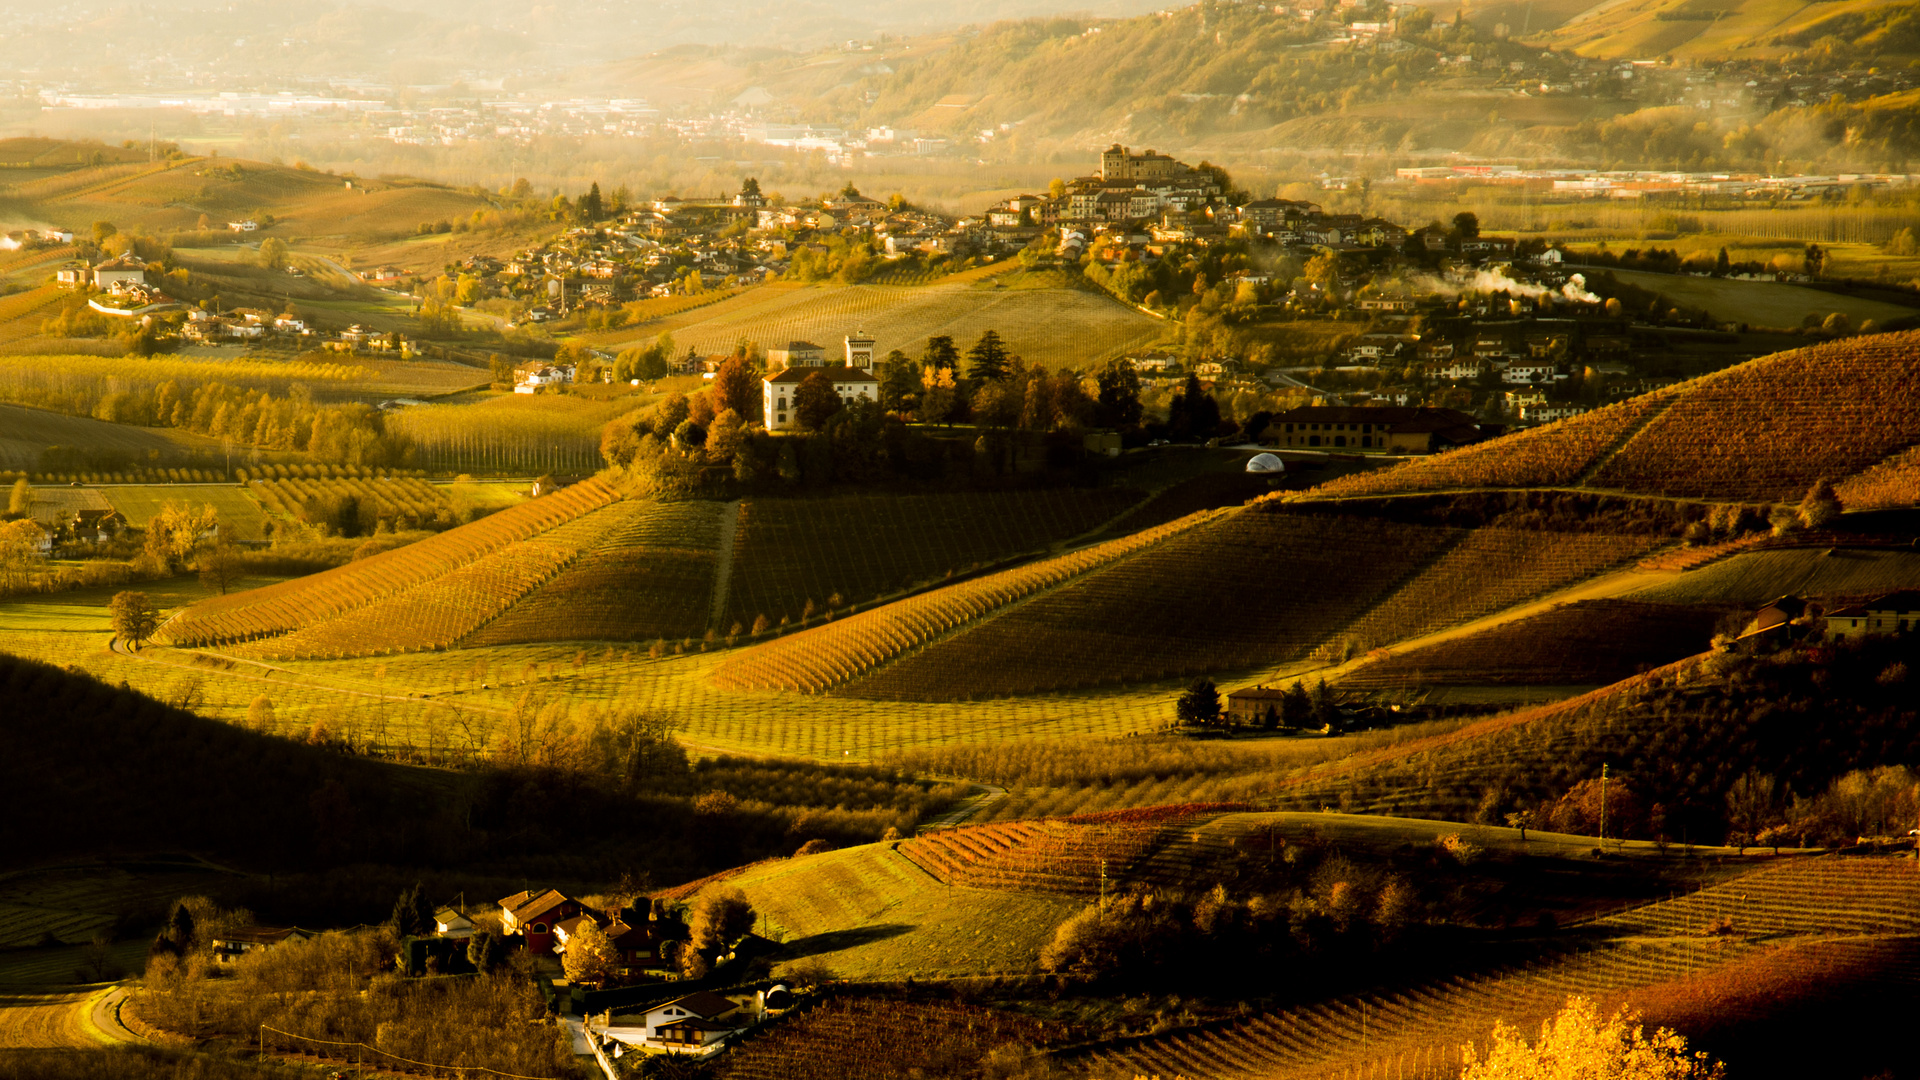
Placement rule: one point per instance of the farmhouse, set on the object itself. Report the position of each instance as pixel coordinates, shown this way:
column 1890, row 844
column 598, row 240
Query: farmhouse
column 127, row 268
column 233, row 944
column 1894, row 613
column 532, row 915
column 1399, row 429
column 449, row 922
column 535, row 377
column 1250, row 706
column 777, row 392
column 696, row 1021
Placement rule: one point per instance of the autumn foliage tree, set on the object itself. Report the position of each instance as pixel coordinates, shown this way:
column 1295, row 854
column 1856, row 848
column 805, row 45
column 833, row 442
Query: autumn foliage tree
column 1578, row 1044
column 134, row 617
column 590, row 959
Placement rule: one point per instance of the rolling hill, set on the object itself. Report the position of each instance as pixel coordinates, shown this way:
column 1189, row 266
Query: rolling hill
column 1213, row 592
column 1733, row 29
column 587, row 564
column 1762, row 431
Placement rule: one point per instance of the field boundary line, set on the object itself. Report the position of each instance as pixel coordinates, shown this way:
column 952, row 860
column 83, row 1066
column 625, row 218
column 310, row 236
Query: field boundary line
column 723, row 565
column 1199, row 518
column 1620, row 441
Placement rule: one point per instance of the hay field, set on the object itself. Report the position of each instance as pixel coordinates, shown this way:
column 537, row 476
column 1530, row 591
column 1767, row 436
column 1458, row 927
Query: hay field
column 1056, row 327
column 138, row 503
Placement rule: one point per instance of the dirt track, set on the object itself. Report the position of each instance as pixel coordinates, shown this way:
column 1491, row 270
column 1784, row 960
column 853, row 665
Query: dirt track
column 47, row 1019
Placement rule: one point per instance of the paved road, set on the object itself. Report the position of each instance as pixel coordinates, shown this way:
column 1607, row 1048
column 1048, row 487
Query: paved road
column 63, row 1018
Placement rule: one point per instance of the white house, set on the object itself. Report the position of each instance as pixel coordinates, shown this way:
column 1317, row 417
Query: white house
column 698, row 1021
column 1543, row 413
column 777, row 392
column 1532, row 373
column 248, row 225
column 531, row 380
column 450, row 923
column 126, row 268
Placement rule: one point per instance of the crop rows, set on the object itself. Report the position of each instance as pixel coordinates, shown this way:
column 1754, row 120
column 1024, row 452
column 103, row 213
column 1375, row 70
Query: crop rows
column 790, row 552
column 830, row 655
column 649, row 576
column 409, row 497
column 867, row 1039
column 287, row 606
column 1768, row 429
column 1487, row 571
column 1590, row 642
column 1249, row 589
column 15, row 309
column 1059, row 857
column 1421, row 1027
column 35, row 256
column 1894, row 482
column 1553, row 454
column 435, row 614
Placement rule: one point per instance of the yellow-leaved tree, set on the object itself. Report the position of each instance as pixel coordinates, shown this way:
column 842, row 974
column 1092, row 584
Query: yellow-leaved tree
column 591, row 958
column 1579, row 1044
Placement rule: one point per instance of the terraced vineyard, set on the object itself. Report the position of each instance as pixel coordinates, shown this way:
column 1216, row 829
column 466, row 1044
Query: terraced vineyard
column 1654, row 954
column 650, row 575
column 20, row 313
column 1555, row 454
column 304, row 602
column 1592, row 642
column 790, row 552
column 828, row 656
column 1894, row 482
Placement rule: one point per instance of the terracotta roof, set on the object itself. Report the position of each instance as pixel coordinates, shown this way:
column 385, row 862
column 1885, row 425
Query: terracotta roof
column 797, row 346
column 841, row 374
column 263, row 935
column 522, row 907
column 704, row 1004
column 1906, row 600
column 1257, row 693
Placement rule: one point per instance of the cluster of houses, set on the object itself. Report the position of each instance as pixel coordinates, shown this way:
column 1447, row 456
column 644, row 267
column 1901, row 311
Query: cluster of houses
column 1792, row 620
column 23, row 239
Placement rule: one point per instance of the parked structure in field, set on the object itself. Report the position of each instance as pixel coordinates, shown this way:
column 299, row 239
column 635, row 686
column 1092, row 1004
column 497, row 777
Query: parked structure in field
column 796, row 354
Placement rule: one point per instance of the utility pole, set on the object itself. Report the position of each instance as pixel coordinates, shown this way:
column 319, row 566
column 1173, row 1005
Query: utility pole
column 1603, row 807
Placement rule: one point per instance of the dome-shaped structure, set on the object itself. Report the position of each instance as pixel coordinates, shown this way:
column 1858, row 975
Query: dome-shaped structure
column 1260, row 463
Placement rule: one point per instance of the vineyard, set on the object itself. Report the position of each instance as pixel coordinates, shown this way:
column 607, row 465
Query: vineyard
column 1757, row 577
column 1592, row 642
column 868, row 912
column 854, row 1039
column 303, row 602
column 511, row 433
column 405, row 502
column 792, row 554
column 17, row 312
column 438, row 613
column 649, row 576
column 1052, row 327
column 1655, row 954
column 1894, row 482
column 1067, row 857
column 1766, row 430
column 1247, row 590
column 829, row 656
column 1554, row 454
column 1490, row 569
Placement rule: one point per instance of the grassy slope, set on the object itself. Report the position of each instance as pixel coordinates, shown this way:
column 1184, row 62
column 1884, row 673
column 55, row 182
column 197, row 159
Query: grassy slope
column 1758, row 577
column 869, row 913
column 236, row 506
column 25, row 432
column 1761, row 303
column 1054, row 327
column 1743, row 28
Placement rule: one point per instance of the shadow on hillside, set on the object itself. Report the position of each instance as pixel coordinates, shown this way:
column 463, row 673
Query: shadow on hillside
column 835, row 940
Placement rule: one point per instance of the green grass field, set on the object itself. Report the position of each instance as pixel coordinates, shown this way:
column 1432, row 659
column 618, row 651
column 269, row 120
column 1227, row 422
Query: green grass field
column 25, row 433
column 138, row 503
column 1051, row 326
column 1760, row 303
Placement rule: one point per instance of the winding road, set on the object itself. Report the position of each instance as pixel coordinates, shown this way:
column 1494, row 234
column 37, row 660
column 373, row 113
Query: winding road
column 63, row 1018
